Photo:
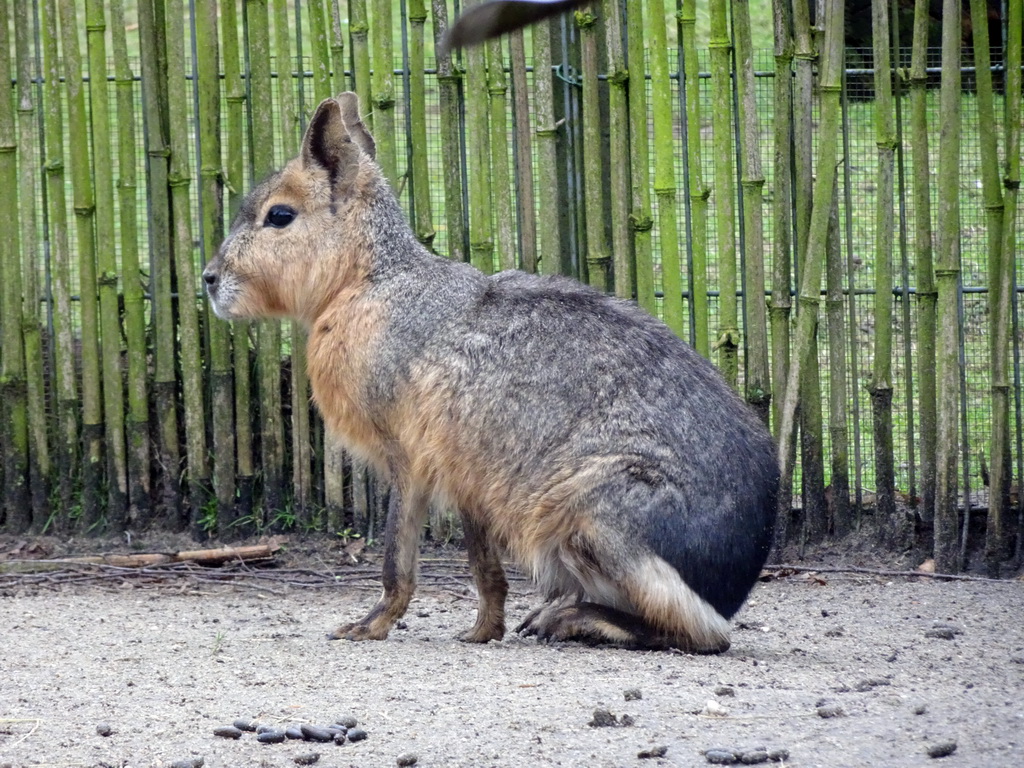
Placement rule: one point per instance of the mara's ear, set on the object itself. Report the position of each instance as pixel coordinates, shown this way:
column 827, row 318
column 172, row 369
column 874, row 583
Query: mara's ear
column 354, row 124
column 328, row 144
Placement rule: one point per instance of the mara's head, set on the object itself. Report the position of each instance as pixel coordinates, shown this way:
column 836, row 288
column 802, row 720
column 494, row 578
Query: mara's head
column 300, row 236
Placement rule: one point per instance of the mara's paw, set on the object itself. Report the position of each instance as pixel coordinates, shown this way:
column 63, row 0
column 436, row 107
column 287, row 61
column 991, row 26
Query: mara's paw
column 483, row 633
column 360, row 630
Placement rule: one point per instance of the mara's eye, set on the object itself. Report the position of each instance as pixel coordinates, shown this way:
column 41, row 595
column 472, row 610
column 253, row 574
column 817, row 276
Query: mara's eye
column 279, row 216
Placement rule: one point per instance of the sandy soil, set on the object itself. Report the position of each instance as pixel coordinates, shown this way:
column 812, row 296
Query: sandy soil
column 905, row 664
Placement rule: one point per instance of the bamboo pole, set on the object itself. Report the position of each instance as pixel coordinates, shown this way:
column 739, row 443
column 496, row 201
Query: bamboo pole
column 268, row 347
column 998, row 290
column 235, row 101
column 108, row 278
column 359, row 29
column 812, row 486
column 758, row 380
column 698, row 190
column 501, row 185
column 85, row 230
column 165, row 385
column 548, row 182
column 641, row 219
column 337, row 49
column 190, row 338
column 665, row 170
column 13, row 386
column 524, row 154
column 138, row 448
column 947, row 278
column 835, row 309
column 321, row 55
column 39, row 468
column 423, row 218
column 803, row 361
column 1011, row 243
column 623, row 265
column 65, row 380
column 211, row 211
column 478, row 166
column 923, row 266
column 728, row 336
column 880, row 386
column 383, row 98
column 594, row 178
column 449, row 78
column 782, row 218
column 302, row 441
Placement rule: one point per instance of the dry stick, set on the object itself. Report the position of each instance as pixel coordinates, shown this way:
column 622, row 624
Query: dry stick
column 882, row 572
column 998, row 292
column 134, row 300
column 947, row 274
column 13, row 388
column 40, row 469
column 880, row 386
column 923, row 267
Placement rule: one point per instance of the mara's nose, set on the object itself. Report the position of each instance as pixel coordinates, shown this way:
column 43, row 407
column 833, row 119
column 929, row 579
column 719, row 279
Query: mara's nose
column 210, row 277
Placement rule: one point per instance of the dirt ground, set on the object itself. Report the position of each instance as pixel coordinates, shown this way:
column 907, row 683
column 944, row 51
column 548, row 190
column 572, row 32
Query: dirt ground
column 902, row 664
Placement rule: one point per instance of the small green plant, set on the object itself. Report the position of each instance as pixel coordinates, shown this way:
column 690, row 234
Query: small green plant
column 218, row 643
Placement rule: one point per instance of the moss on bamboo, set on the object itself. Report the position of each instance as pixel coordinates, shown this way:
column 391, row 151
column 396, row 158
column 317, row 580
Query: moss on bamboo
column 501, row 190
column 449, row 79
column 383, row 98
column 423, row 220
column 524, row 154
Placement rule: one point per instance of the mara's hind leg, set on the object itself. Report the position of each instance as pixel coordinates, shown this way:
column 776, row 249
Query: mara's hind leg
column 490, row 583
column 406, row 512
column 628, row 596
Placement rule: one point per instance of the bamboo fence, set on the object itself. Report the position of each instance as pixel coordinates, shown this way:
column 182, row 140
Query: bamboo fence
column 730, row 190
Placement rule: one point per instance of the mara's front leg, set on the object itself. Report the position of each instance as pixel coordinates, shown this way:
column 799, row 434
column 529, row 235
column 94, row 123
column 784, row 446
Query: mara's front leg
column 490, row 582
column 406, row 513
